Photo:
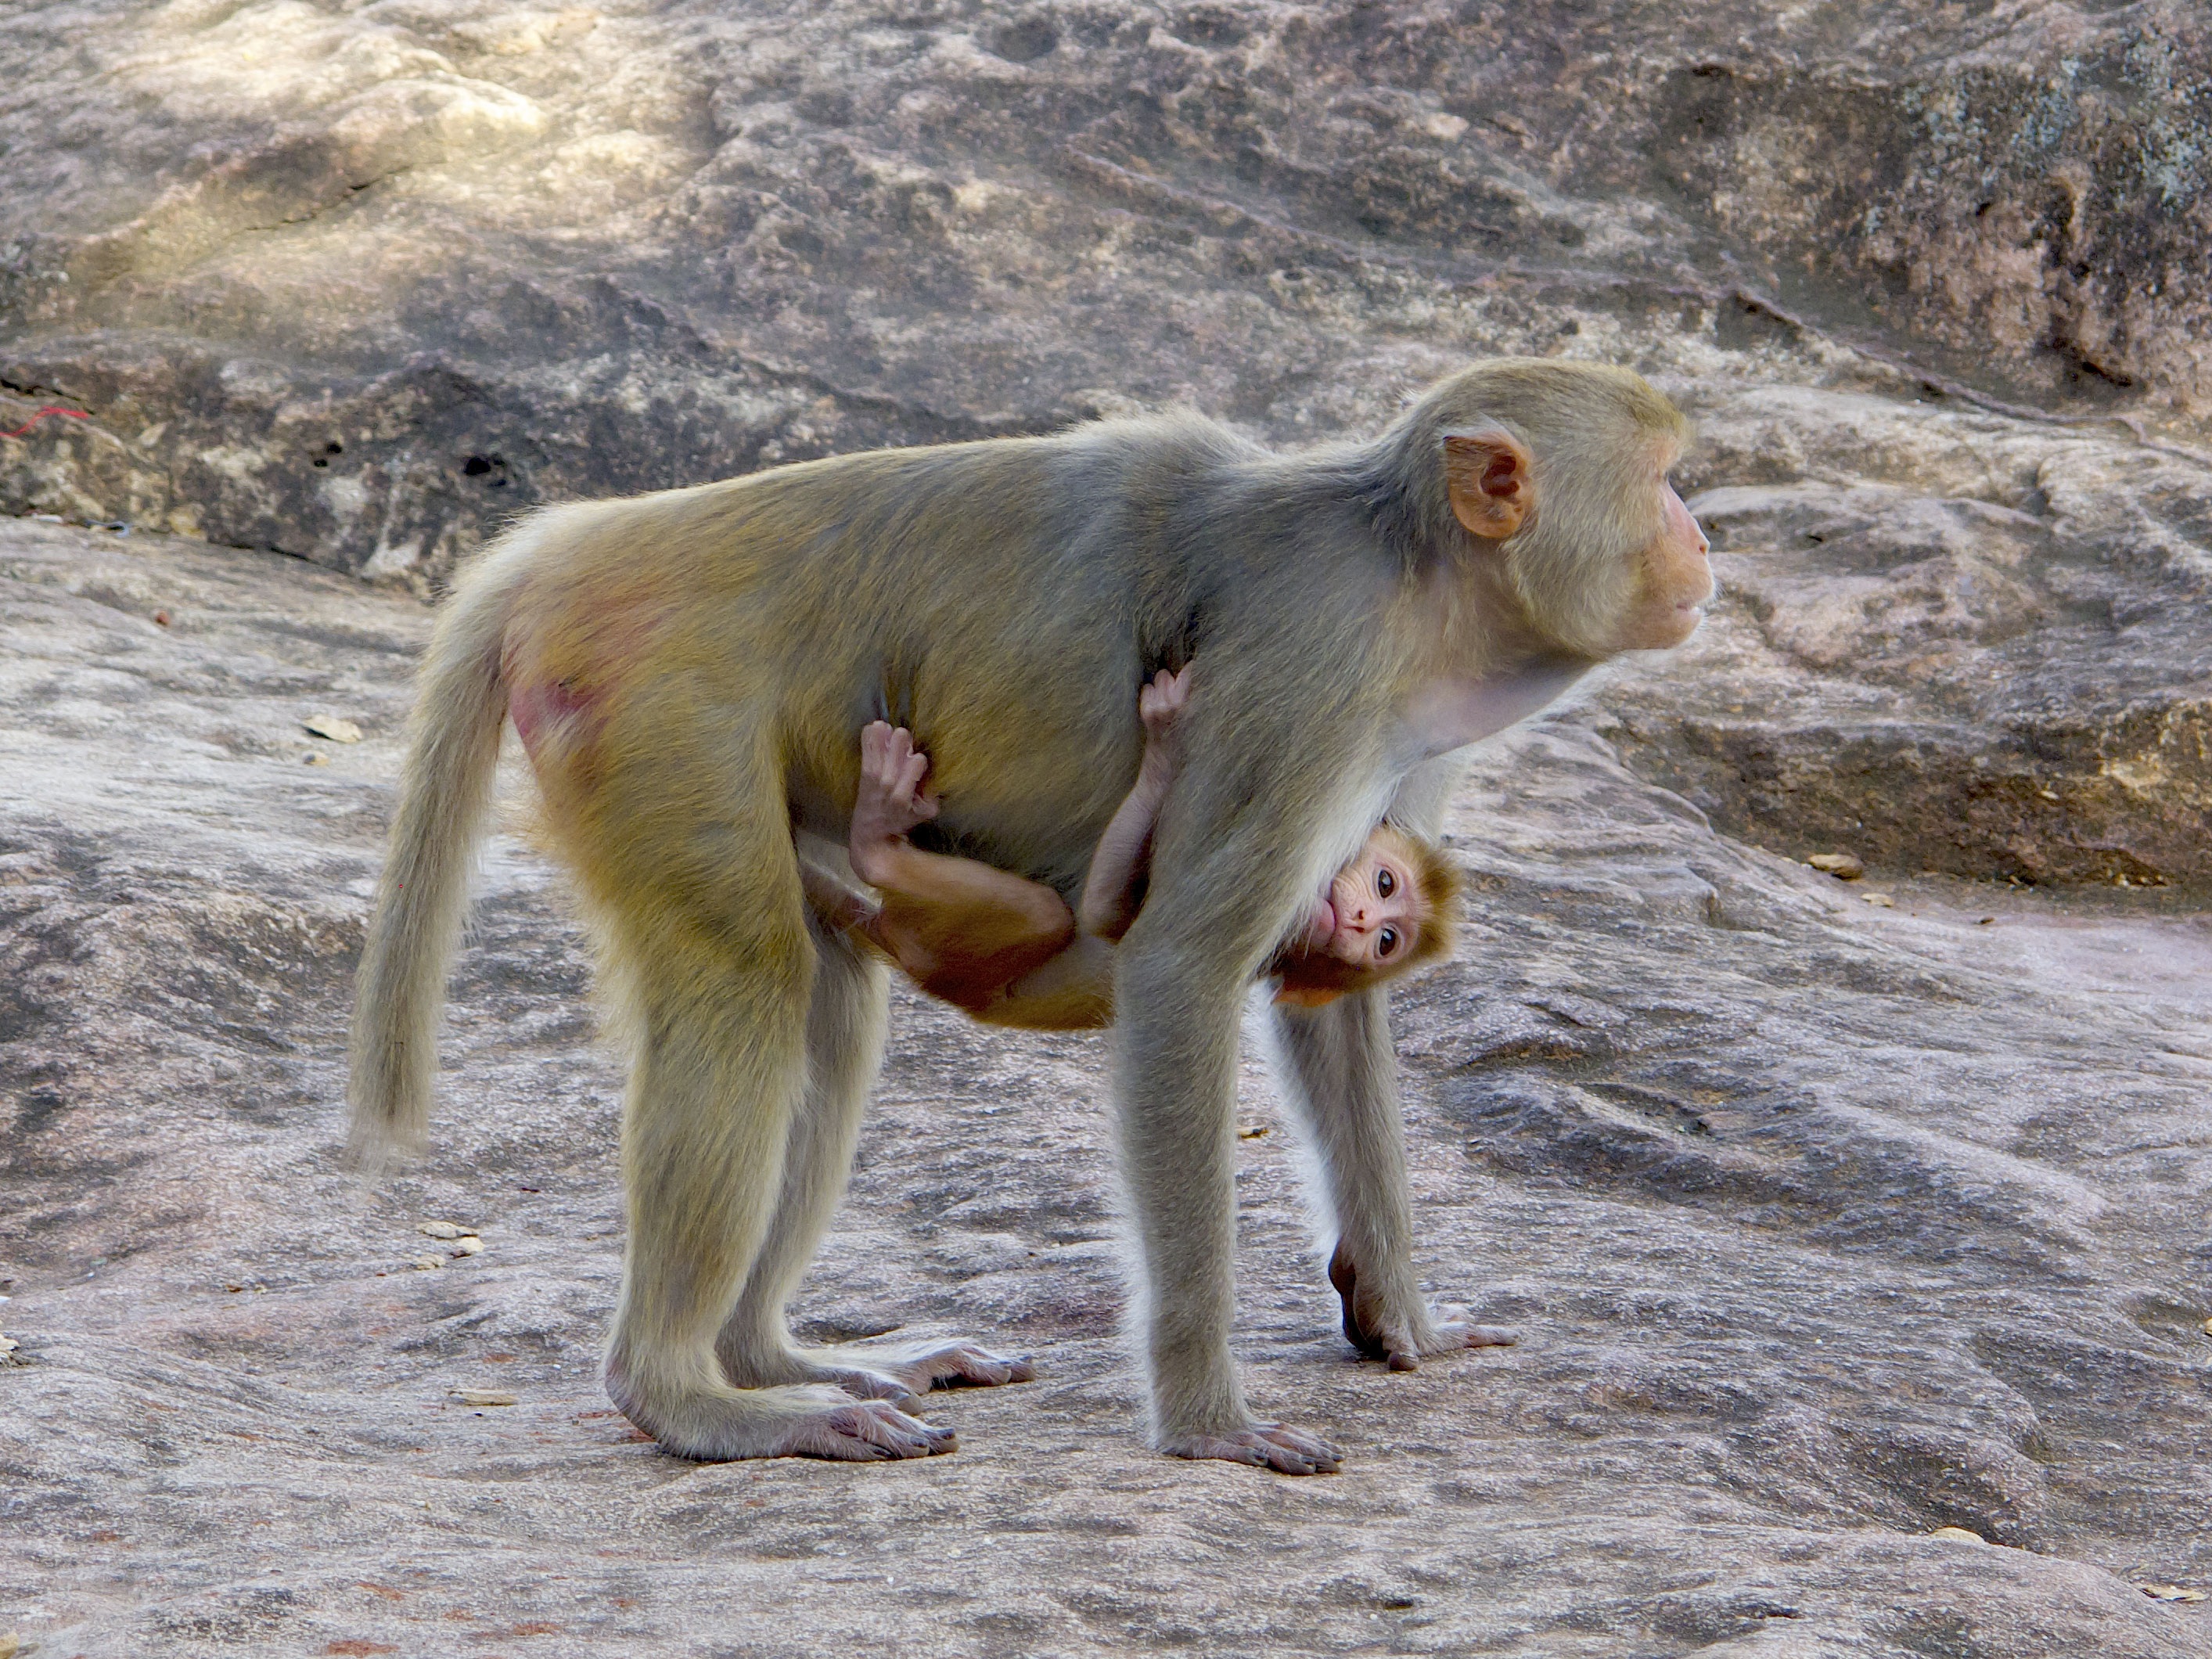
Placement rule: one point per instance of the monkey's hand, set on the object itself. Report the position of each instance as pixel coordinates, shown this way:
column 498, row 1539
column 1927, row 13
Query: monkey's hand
column 1160, row 705
column 891, row 800
column 1402, row 1342
column 1274, row 1446
column 1159, row 702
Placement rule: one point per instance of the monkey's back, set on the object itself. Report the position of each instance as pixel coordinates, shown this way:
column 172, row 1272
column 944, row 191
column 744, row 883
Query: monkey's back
column 994, row 597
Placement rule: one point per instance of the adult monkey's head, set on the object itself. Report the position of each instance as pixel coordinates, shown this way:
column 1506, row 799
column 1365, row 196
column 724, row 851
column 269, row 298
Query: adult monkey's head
column 1555, row 475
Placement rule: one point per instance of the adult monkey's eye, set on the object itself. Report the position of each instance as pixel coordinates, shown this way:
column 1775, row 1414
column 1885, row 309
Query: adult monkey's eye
column 1385, row 883
column 1387, row 940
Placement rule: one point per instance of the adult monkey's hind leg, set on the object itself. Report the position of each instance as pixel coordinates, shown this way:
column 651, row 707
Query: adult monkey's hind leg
column 845, row 1026
column 719, row 982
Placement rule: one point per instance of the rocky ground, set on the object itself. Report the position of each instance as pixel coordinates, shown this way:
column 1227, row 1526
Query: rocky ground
column 1824, row 1225
column 1830, row 1213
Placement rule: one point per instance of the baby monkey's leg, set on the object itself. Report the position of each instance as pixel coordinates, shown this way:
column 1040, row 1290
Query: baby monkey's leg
column 962, row 929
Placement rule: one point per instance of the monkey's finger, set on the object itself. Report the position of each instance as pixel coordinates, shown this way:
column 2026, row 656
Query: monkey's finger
column 1402, row 1361
column 873, row 736
column 911, row 770
column 1491, row 1336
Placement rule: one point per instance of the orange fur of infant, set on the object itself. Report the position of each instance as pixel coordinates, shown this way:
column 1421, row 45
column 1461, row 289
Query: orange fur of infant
column 960, row 934
column 967, row 933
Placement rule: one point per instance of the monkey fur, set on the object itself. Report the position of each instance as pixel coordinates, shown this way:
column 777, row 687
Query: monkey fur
column 689, row 672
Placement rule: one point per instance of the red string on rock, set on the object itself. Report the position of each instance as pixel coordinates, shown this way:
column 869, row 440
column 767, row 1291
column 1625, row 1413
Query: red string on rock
column 51, row 408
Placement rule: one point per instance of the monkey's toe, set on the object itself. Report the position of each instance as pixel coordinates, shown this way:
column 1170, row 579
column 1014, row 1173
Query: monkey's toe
column 1456, row 1330
column 1318, row 1455
column 963, row 1365
column 863, row 1383
column 875, row 1429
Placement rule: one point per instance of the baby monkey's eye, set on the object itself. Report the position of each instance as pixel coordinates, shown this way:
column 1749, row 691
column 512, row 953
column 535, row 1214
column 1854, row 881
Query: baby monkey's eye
column 1385, row 883
column 1387, row 940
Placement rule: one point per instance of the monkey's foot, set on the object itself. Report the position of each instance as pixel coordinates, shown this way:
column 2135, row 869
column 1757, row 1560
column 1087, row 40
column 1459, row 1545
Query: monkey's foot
column 902, row 1373
column 868, row 1431
column 1264, row 1446
column 728, row 1425
column 1404, row 1342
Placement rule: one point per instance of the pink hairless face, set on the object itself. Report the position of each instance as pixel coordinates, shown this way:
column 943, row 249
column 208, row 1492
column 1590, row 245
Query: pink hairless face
column 1677, row 579
column 1371, row 913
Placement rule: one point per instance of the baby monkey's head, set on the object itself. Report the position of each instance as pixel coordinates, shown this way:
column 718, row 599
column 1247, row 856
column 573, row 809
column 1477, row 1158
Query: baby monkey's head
column 1395, row 907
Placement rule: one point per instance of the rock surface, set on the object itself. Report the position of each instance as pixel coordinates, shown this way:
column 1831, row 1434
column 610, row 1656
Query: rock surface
column 355, row 281
column 1949, row 641
column 1824, row 1226
column 1831, row 1214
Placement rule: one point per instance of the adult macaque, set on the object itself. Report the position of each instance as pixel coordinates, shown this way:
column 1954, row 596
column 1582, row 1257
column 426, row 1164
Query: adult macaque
column 690, row 671
column 1009, row 951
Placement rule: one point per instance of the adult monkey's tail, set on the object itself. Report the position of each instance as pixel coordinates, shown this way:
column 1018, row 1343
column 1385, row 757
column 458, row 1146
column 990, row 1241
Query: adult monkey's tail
column 444, row 797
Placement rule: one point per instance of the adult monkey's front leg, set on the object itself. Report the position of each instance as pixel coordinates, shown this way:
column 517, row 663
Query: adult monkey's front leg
column 1341, row 1077
column 1239, row 851
column 1177, row 1032
column 1338, row 1069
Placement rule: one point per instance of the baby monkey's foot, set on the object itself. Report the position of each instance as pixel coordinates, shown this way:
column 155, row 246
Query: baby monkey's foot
column 891, row 800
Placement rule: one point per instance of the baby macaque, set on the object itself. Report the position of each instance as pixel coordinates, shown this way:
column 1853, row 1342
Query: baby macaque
column 1009, row 950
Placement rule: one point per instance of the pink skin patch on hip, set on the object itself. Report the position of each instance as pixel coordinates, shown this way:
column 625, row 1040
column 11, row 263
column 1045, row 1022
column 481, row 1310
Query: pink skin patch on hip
column 539, row 706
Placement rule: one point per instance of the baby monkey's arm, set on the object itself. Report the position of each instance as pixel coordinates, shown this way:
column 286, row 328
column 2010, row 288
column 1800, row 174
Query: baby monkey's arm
column 1113, row 891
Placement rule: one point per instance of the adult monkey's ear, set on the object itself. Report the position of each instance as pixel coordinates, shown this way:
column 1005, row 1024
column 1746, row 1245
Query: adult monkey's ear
column 1492, row 479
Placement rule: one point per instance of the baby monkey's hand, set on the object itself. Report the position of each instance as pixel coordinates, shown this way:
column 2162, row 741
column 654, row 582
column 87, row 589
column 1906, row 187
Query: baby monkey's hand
column 891, row 800
column 1160, row 704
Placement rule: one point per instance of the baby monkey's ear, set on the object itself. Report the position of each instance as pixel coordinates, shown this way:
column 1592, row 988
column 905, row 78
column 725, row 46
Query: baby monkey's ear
column 1489, row 474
